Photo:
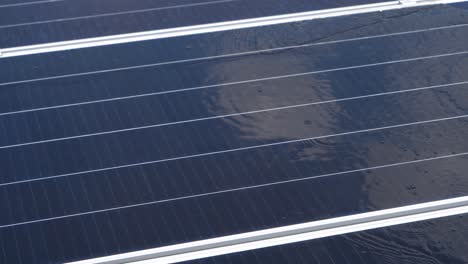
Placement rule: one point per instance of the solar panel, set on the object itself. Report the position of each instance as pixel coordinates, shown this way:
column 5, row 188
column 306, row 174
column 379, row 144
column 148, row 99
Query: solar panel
column 436, row 241
column 59, row 20
column 118, row 148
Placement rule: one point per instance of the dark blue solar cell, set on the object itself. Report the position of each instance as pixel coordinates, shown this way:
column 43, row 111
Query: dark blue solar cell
column 119, row 148
column 66, row 20
column 165, row 88
column 433, row 241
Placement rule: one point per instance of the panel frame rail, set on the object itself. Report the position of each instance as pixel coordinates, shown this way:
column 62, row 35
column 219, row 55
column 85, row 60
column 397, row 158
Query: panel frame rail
column 216, row 27
column 289, row 234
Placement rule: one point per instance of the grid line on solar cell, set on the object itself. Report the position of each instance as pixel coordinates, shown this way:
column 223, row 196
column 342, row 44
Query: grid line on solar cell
column 220, row 85
column 239, row 149
column 118, row 13
column 237, row 189
column 29, row 3
column 104, row 199
column 232, row 115
column 232, row 55
column 232, row 83
column 92, row 166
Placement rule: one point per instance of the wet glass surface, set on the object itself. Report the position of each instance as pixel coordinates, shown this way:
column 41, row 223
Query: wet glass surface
column 104, row 151
column 438, row 241
column 61, row 20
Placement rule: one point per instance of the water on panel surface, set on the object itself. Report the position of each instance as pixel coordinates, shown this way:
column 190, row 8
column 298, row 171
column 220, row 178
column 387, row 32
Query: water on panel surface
column 106, row 151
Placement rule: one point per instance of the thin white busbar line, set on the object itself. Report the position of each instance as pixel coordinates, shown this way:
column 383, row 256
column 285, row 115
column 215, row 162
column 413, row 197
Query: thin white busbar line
column 30, row 3
column 234, row 150
column 254, row 52
column 232, row 83
column 214, row 27
column 236, row 189
column 232, row 115
column 289, row 234
column 116, row 13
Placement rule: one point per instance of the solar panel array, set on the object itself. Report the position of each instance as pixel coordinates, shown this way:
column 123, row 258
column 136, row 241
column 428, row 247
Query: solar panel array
column 118, row 148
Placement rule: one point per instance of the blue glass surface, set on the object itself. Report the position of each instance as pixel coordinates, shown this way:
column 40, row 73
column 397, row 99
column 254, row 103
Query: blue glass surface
column 119, row 148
